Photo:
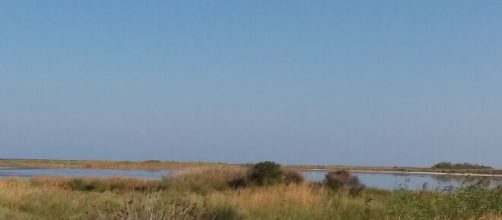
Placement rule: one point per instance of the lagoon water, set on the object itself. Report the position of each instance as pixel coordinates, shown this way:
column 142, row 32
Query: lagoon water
column 375, row 180
column 407, row 181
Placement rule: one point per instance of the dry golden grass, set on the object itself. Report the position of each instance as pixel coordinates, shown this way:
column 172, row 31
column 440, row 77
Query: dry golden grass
column 294, row 201
column 203, row 193
column 278, row 197
column 103, row 164
column 204, row 179
column 210, row 174
column 110, row 183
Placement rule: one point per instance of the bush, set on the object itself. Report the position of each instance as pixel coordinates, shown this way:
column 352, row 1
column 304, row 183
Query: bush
column 337, row 179
column 293, row 177
column 343, row 179
column 92, row 185
column 117, row 185
column 77, row 184
column 237, row 183
column 97, row 185
column 449, row 165
column 266, row 173
column 355, row 186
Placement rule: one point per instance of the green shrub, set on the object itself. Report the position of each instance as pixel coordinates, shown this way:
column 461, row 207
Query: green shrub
column 77, row 184
column 293, row 177
column 266, row 173
column 355, row 186
column 337, row 179
column 96, row 185
column 118, row 185
column 449, row 165
column 237, row 183
column 343, row 179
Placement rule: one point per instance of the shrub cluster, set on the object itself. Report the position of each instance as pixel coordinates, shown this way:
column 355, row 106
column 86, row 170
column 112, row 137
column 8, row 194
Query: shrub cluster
column 266, row 173
column 99, row 184
column 222, row 178
column 270, row 173
column 343, row 179
column 449, row 165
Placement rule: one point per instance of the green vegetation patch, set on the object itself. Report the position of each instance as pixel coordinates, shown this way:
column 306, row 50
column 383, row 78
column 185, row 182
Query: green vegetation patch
column 449, row 165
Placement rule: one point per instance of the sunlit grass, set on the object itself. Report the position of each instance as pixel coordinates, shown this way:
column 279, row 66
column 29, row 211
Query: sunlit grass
column 205, row 193
column 103, row 164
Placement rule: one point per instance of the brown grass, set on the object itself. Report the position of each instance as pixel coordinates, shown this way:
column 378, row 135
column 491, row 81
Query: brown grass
column 103, row 164
column 203, row 193
column 204, row 179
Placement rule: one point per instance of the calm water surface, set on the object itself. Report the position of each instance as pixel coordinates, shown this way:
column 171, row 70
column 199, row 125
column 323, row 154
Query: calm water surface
column 376, row 180
column 407, row 181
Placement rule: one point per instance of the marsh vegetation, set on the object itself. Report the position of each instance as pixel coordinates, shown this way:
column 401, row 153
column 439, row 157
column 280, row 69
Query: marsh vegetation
column 263, row 191
column 465, row 165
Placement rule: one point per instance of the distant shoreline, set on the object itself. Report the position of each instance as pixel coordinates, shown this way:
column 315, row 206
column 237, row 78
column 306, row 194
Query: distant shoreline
column 160, row 165
column 411, row 172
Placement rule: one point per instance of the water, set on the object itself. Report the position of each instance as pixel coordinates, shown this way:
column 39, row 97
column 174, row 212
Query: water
column 407, row 181
column 374, row 180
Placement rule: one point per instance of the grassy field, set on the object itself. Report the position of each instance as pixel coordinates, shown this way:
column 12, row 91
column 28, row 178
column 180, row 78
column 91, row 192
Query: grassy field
column 223, row 192
column 102, row 164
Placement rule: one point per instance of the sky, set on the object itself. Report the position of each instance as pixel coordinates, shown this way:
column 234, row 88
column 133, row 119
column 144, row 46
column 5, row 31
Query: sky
column 404, row 83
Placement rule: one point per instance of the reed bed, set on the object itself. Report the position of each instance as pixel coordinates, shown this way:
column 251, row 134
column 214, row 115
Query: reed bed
column 103, row 164
column 207, row 193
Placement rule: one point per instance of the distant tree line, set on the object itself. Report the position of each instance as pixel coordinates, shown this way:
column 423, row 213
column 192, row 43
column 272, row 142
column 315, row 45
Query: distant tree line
column 449, row 165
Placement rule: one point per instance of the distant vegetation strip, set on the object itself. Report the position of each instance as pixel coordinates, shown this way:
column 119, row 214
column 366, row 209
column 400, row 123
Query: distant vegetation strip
column 449, row 165
column 442, row 167
column 102, row 164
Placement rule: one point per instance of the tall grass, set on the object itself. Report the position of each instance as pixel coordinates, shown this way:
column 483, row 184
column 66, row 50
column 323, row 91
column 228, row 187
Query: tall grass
column 99, row 184
column 204, row 179
column 104, row 164
column 473, row 201
column 207, row 194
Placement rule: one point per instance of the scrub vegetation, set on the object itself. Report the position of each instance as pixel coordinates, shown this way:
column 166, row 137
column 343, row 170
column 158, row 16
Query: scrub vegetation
column 262, row 191
column 442, row 167
column 449, row 165
column 102, row 164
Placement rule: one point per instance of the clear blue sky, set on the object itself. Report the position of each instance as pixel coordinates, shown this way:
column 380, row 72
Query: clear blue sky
column 301, row 82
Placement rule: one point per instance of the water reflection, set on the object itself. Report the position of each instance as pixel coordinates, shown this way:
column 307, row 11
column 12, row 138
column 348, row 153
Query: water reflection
column 411, row 181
